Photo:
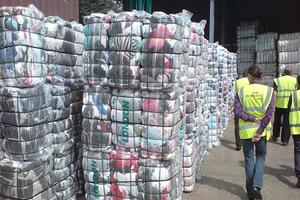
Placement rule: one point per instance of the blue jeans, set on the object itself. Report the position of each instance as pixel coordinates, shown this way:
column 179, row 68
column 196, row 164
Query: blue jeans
column 254, row 167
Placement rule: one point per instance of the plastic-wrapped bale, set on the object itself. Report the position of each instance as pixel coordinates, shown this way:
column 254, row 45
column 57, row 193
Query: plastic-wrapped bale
column 25, row 105
column 27, row 179
column 21, row 55
column 64, row 42
column 246, row 36
column 97, row 142
column 160, row 163
column 289, row 56
column 126, row 117
column 266, row 56
column 125, row 37
column 26, row 116
column 64, row 152
column 95, row 56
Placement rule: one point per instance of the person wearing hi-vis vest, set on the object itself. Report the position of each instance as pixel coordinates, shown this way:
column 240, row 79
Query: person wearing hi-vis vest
column 238, row 84
column 254, row 106
column 294, row 122
column 283, row 86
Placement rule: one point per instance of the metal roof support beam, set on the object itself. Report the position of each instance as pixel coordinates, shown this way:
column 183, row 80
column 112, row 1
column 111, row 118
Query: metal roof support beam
column 212, row 21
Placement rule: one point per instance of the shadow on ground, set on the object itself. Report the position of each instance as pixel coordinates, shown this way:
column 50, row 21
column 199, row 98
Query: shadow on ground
column 225, row 185
column 281, row 174
column 228, row 144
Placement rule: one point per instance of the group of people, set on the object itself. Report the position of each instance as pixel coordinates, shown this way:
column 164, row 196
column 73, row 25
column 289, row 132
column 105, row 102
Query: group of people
column 253, row 111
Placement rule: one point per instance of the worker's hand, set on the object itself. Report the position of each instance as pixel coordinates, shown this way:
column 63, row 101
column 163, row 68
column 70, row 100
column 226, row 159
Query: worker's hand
column 258, row 120
column 256, row 138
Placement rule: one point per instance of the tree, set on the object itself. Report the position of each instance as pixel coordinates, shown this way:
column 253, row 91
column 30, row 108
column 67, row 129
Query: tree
column 86, row 7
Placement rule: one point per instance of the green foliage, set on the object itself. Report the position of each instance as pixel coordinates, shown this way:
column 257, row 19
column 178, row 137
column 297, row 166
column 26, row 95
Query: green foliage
column 86, row 7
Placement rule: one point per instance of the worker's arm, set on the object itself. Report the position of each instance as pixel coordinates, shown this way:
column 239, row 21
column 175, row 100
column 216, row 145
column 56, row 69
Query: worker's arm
column 274, row 86
column 267, row 118
column 239, row 111
column 289, row 104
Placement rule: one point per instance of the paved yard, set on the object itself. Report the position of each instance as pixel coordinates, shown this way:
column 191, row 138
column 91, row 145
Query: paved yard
column 224, row 176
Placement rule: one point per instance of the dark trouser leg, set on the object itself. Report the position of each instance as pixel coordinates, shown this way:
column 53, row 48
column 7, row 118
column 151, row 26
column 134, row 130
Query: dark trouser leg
column 248, row 150
column 285, row 133
column 260, row 153
column 236, row 132
column 277, row 122
column 297, row 154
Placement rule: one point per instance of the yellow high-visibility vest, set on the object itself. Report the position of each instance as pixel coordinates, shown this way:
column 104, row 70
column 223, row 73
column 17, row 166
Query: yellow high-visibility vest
column 294, row 116
column 238, row 84
column 285, row 85
column 255, row 99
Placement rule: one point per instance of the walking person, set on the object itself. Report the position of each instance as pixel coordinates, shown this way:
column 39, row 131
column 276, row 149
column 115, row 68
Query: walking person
column 283, row 86
column 254, row 106
column 294, row 122
column 238, row 84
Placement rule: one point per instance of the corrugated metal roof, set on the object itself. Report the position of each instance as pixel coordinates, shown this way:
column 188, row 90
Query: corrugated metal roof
column 66, row 9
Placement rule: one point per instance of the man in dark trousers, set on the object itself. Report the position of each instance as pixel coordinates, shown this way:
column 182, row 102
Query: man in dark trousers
column 283, row 86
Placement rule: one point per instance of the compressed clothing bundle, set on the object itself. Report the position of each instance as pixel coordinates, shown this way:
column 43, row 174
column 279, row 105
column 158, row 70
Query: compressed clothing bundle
column 125, row 37
column 95, row 56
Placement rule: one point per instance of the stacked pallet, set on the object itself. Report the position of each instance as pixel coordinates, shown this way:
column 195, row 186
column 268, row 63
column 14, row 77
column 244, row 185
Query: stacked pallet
column 266, row 56
column 289, row 52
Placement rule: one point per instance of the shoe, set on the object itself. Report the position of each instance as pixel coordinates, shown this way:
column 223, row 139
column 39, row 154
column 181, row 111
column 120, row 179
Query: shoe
column 274, row 139
column 238, row 148
column 257, row 193
column 298, row 183
column 284, row 143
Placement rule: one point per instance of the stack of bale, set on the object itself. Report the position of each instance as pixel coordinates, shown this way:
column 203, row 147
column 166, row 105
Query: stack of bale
column 213, row 96
column 125, row 37
column 289, row 52
column 97, row 144
column 160, row 161
column 224, row 85
column 204, row 112
column 246, row 36
column 232, row 62
column 25, row 105
column 266, row 56
column 190, row 158
column 97, row 132
column 64, row 42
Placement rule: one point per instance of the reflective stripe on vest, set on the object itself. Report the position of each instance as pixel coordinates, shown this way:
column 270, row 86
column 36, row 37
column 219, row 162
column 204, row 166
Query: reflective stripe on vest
column 238, row 84
column 265, row 104
column 294, row 116
column 285, row 85
column 255, row 100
